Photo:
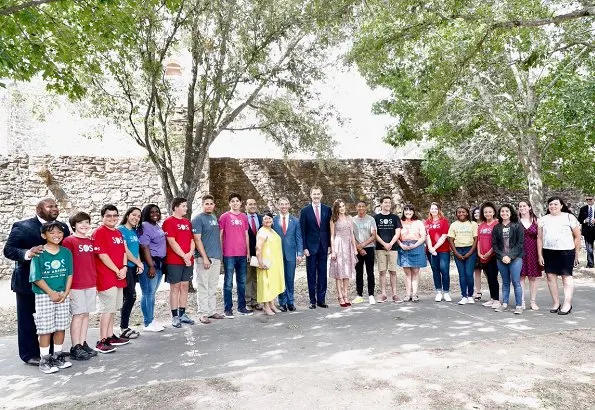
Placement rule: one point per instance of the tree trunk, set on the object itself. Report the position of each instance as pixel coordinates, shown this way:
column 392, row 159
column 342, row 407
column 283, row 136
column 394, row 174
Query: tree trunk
column 531, row 161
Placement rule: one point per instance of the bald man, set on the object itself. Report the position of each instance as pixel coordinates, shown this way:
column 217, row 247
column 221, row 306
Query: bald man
column 23, row 243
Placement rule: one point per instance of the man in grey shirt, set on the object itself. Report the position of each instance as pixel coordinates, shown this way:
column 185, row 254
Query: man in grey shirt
column 207, row 264
column 364, row 229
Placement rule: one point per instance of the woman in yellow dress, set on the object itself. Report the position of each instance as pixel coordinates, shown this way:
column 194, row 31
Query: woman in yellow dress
column 270, row 280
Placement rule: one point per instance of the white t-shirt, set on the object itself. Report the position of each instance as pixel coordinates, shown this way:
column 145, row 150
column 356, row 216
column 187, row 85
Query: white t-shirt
column 557, row 231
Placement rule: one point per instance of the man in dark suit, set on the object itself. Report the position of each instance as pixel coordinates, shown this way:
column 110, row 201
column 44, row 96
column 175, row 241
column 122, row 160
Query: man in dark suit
column 23, row 243
column 288, row 228
column 254, row 224
column 315, row 223
column 586, row 217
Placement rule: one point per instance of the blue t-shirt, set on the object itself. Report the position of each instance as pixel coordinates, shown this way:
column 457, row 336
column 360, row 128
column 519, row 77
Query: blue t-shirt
column 207, row 227
column 131, row 239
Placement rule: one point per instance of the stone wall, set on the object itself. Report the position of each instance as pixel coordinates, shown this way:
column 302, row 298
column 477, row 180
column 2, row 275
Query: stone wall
column 80, row 183
column 87, row 183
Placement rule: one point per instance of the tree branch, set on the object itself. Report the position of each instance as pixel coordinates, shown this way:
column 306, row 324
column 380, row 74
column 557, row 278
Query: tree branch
column 7, row 11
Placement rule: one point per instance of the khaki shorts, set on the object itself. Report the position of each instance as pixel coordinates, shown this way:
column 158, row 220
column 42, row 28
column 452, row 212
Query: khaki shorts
column 83, row 301
column 110, row 300
column 387, row 260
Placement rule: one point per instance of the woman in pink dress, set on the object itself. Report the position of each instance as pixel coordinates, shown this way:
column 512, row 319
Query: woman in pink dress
column 343, row 251
column 531, row 268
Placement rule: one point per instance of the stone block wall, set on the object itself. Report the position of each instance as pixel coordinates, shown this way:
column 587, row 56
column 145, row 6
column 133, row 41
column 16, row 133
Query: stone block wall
column 87, row 183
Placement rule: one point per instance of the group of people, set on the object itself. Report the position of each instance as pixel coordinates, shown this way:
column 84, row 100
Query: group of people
column 61, row 272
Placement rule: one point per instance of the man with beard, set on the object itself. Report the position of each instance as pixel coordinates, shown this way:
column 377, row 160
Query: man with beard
column 25, row 242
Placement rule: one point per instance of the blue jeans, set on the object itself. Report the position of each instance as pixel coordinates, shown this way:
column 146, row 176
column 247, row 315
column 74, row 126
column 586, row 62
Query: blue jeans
column 465, row 269
column 148, row 287
column 511, row 271
column 440, row 265
column 240, row 265
column 286, row 297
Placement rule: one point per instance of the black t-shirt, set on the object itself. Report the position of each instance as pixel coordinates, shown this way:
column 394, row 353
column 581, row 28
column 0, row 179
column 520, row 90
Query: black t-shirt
column 385, row 226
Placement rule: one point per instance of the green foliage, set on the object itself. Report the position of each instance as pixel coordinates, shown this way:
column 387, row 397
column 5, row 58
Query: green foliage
column 494, row 85
column 61, row 40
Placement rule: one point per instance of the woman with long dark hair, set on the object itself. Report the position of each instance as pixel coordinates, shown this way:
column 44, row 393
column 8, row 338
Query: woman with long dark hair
column 486, row 255
column 558, row 243
column 129, row 229
column 343, row 251
column 462, row 237
column 507, row 241
column 153, row 248
column 531, row 269
column 412, row 255
column 475, row 217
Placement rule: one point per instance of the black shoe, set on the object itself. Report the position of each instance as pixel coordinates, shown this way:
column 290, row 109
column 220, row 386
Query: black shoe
column 291, row 308
column 555, row 310
column 283, row 308
column 322, row 305
column 312, row 306
column 34, row 361
column 78, row 353
column 89, row 350
column 560, row 312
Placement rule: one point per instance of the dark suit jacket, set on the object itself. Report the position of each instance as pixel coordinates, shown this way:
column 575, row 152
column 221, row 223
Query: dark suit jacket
column 315, row 236
column 587, row 231
column 23, row 236
column 291, row 241
column 251, row 235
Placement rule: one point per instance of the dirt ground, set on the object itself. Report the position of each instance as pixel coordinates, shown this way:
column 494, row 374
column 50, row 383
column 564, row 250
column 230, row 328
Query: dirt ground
column 495, row 374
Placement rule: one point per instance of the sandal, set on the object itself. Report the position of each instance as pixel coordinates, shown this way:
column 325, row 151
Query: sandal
column 415, row 298
column 534, row 305
column 477, row 296
column 128, row 333
column 268, row 312
column 205, row 320
column 341, row 302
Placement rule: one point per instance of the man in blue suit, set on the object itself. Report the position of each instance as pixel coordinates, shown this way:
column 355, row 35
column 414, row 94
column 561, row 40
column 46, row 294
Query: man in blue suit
column 288, row 228
column 315, row 223
column 25, row 242
column 254, row 224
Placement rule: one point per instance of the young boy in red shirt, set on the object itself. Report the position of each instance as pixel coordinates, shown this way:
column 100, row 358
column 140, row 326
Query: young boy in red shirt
column 84, row 278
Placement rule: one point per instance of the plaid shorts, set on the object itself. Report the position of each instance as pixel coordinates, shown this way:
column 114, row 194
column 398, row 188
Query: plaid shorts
column 49, row 316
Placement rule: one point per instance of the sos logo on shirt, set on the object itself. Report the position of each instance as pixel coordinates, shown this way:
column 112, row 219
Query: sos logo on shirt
column 117, row 240
column 85, row 248
column 236, row 222
column 55, row 265
column 183, row 227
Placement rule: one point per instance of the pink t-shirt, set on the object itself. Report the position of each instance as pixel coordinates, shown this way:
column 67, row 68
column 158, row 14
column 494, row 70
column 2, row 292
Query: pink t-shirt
column 412, row 230
column 234, row 229
column 484, row 239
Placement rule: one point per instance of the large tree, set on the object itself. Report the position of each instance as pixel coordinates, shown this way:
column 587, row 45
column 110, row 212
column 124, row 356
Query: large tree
column 247, row 65
column 504, row 89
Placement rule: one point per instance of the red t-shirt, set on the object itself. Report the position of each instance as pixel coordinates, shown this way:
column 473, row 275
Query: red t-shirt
column 435, row 230
column 181, row 230
column 84, row 275
column 111, row 243
column 484, row 239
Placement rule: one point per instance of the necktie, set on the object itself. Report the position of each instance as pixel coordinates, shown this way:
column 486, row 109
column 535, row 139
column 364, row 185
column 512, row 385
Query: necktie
column 317, row 212
column 284, row 226
column 590, row 216
column 253, row 224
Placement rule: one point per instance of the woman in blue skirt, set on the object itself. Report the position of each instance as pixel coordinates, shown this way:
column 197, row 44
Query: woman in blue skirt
column 412, row 252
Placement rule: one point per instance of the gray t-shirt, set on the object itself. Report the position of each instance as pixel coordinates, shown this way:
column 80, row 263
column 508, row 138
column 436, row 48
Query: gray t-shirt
column 207, row 227
column 362, row 229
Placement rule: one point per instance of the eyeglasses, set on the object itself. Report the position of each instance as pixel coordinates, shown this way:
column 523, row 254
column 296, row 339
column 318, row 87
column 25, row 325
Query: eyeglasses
column 589, row 199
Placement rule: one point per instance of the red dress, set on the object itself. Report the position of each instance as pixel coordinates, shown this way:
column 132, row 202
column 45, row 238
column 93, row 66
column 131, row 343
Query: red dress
column 531, row 266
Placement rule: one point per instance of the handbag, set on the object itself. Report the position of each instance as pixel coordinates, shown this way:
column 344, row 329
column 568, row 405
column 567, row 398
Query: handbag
column 254, row 262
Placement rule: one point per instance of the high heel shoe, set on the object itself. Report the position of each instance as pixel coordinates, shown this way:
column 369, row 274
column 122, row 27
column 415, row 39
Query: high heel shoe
column 342, row 302
column 560, row 312
column 556, row 310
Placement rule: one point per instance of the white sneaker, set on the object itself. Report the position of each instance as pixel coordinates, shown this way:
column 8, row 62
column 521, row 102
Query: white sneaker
column 502, row 308
column 438, row 297
column 470, row 301
column 153, row 327
column 496, row 304
column 489, row 303
column 447, row 297
column 463, row 301
column 371, row 300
